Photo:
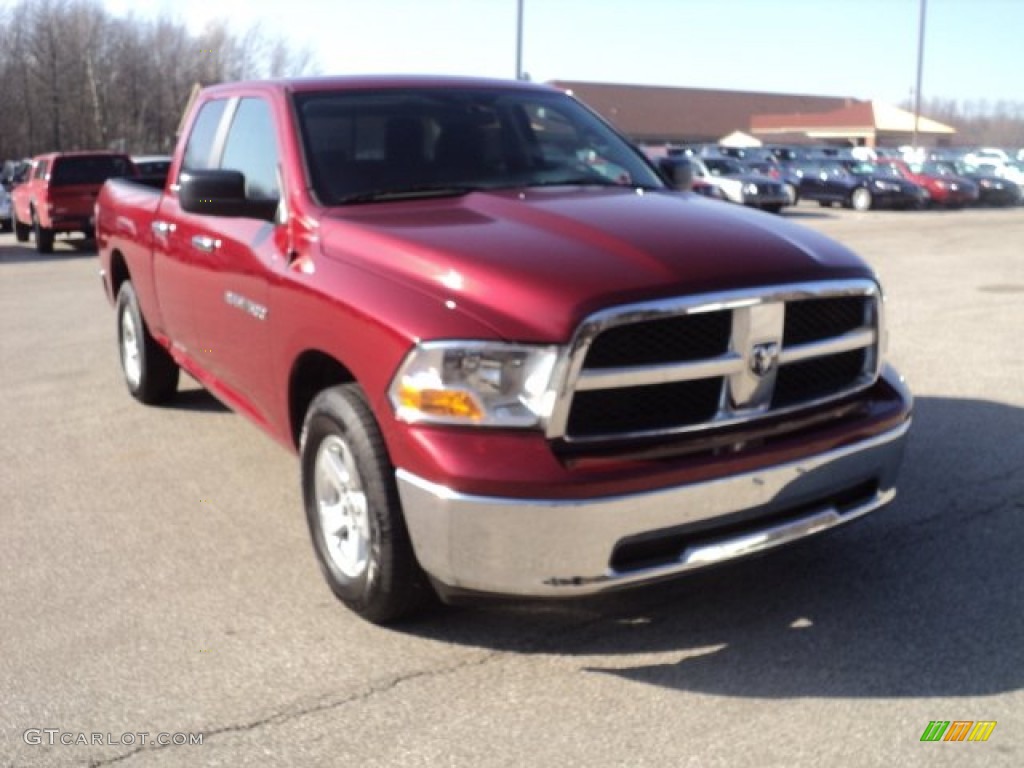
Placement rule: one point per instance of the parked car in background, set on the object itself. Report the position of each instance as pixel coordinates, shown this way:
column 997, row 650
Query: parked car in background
column 857, row 185
column 739, row 186
column 1014, row 171
column 6, row 221
column 60, row 194
column 152, row 165
column 786, row 153
column 13, row 173
column 945, row 190
column 990, row 156
column 782, row 172
column 992, row 189
column 888, row 189
column 706, row 189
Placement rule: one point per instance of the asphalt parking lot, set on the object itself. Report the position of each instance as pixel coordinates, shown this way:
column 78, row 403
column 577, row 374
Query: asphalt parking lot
column 157, row 576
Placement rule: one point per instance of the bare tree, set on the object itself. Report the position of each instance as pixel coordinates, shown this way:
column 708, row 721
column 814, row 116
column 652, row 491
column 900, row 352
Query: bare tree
column 980, row 121
column 72, row 75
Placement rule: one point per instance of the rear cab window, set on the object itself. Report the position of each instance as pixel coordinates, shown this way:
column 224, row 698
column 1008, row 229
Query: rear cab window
column 88, row 169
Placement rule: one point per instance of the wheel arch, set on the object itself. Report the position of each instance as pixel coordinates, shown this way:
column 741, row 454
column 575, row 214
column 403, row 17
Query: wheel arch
column 119, row 272
column 312, row 372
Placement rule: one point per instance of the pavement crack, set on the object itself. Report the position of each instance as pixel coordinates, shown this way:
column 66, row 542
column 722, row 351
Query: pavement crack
column 541, row 643
column 297, row 712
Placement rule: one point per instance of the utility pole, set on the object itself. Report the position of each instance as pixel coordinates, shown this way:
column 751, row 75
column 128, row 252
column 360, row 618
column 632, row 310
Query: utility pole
column 519, row 39
column 920, row 70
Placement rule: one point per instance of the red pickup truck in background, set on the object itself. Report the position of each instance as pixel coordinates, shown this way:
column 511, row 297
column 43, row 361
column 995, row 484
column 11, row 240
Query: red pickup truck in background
column 511, row 357
column 60, row 194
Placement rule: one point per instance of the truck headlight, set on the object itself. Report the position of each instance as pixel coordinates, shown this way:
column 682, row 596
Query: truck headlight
column 475, row 383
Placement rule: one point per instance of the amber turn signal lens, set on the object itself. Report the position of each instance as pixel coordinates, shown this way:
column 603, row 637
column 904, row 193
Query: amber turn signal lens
column 441, row 402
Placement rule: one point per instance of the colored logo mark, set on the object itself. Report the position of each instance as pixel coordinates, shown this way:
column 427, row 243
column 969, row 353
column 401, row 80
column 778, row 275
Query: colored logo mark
column 958, row 730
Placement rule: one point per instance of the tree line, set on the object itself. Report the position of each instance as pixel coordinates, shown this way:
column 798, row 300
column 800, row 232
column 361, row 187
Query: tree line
column 978, row 122
column 75, row 76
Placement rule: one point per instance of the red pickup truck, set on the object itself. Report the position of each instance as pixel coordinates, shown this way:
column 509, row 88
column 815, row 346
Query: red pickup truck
column 60, row 194
column 511, row 357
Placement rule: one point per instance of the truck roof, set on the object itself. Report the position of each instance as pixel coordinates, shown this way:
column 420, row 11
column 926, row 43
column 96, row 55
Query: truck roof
column 80, row 153
column 357, row 82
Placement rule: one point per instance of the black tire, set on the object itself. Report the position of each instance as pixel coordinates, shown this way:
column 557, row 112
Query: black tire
column 43, row 236
column 150, row 372
column 21, row 231
column 825, row 203
column 354, row 513
column 792, row 193
column 772, row 208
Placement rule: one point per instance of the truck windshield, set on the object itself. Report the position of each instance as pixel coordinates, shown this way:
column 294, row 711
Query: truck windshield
column 89, row 169
column 400, row 143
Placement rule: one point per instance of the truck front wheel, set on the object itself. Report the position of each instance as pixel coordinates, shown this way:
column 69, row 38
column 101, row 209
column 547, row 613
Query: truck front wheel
column 352, row 506
column 149, row 370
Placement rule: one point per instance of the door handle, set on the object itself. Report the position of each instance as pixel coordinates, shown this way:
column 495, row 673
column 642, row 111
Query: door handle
column 205, row 244
column 162, row 228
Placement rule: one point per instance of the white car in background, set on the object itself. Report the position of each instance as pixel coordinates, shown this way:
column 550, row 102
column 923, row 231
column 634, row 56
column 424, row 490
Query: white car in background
column 751, row 189
column 5, row 210
column 991, row 157
column 1012, row 171
column 152, row 165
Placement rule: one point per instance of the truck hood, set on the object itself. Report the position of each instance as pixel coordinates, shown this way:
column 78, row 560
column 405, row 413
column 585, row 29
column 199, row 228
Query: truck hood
column 531, row 264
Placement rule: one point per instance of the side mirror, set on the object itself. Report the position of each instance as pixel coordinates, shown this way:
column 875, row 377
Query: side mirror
column 678, row 172
column 221, row 193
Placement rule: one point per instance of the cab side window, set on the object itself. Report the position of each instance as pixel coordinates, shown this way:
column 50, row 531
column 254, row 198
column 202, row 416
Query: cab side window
column 252, row 149
column 199, row 150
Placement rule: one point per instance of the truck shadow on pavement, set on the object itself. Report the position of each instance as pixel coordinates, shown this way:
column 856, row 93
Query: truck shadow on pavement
column 25, row 253
column 925, row 598
column 192, row 396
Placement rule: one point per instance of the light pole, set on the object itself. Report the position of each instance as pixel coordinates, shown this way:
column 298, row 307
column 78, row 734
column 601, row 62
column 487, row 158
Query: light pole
column 519, row 39
column 920, row 70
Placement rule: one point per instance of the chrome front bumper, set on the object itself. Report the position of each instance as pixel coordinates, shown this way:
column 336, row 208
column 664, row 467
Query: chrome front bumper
column 562, row 548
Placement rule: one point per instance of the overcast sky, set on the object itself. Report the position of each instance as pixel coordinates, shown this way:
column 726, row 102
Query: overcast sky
column 859, row 48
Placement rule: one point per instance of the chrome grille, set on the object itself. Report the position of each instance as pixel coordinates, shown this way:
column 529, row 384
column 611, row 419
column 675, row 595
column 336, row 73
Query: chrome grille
column 687, row 337
column 696, row 363
column 817, row 319
column 610, row 411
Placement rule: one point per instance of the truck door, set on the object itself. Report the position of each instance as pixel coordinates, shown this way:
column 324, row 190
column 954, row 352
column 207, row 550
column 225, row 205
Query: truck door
column 238, row 259
column 176, row 265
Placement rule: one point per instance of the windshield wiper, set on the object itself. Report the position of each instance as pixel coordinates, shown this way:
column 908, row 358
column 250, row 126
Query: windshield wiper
column 407, row 193
column 586, row 181
column 575, row 181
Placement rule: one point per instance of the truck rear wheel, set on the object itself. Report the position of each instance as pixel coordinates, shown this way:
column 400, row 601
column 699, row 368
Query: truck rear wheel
column 149, row 370
column 21, row 231
column 43, row 236
column 354, row 513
